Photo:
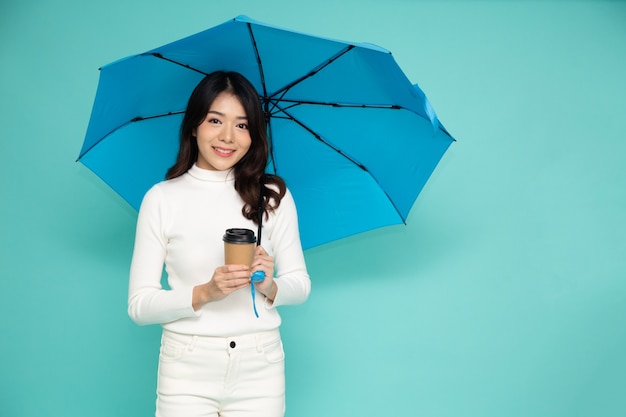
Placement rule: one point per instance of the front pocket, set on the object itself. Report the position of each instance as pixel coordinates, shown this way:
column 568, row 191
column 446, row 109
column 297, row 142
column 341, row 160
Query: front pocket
column 172, row 350
column 274, row 352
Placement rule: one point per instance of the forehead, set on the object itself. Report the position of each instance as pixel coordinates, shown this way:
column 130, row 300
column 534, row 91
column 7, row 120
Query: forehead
column 227, row 100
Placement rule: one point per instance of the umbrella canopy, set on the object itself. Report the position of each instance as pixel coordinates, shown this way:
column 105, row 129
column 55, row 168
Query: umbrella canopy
column 354, row 140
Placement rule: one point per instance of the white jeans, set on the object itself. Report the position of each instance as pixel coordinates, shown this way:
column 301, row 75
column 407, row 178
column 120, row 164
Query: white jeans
column 221, row 376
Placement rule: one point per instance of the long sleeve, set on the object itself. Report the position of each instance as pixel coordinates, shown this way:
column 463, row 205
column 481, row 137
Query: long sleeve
column 292, row 279
column 148, row 302
column 180, row 225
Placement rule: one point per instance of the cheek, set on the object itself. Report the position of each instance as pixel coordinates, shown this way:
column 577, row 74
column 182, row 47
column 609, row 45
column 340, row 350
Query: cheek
column 246, row 143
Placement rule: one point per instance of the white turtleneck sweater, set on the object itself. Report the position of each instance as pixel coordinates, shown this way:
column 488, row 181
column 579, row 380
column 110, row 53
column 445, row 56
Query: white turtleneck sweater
column 181, row 223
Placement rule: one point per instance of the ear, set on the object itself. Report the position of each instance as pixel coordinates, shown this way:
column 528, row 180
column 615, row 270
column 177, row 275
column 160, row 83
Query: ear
column 194, row 133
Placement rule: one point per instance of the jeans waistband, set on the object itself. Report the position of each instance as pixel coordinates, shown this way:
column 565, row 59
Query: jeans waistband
column 240, row 342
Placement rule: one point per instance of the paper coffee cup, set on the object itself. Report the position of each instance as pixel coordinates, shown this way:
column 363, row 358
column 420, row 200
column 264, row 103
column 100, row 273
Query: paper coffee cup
column 239, row 246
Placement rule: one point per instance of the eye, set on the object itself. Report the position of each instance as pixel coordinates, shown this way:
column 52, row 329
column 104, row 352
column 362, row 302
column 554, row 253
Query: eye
column 213, row 120
column 243, row 126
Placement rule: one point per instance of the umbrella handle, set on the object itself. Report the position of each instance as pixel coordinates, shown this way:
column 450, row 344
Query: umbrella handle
column 258, row 276
column 261, row 209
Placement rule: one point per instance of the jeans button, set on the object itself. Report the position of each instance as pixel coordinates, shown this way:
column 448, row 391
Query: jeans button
column 233, row 344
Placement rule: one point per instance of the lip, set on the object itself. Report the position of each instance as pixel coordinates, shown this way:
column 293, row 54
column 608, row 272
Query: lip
column 223, row 151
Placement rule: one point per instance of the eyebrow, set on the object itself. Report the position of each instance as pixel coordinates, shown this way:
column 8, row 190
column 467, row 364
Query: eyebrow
column 223, row 115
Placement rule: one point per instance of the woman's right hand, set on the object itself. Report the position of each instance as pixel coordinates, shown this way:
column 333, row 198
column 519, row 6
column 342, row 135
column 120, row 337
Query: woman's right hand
column 226, row 279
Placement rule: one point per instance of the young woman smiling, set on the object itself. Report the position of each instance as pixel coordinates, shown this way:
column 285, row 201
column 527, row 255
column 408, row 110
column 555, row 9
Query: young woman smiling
column 217, row 358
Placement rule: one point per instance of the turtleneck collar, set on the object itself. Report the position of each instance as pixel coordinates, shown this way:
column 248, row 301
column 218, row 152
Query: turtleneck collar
column 210, row 175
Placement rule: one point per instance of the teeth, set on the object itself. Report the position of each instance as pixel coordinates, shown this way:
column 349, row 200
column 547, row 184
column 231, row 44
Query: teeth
column 224, row 150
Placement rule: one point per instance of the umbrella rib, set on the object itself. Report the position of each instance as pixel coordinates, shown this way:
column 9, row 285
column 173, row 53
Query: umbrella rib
column 340, row 152
column 133, row 120
column 156, row 116
column 160, row 56
column 294, row 103
column 264, row 100
column 321, row 139
column 314, row 71
column 258, row 59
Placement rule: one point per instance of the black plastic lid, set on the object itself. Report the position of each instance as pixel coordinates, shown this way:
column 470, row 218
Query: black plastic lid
column 239, row 236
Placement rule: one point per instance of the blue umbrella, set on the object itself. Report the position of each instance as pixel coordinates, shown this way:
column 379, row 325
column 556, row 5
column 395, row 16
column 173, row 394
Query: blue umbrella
column 352, row 137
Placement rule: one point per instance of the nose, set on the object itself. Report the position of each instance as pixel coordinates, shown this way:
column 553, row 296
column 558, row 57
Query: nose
column 228, row 133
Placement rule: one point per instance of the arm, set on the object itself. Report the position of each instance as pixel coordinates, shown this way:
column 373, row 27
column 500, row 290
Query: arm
column 292, row 282
column 148, row 302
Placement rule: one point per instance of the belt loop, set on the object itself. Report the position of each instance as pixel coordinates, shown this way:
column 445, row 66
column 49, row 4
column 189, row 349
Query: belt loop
column 259, row 343
column 192, row 345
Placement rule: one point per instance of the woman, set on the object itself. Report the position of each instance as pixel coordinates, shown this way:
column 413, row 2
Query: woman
column 217, row 358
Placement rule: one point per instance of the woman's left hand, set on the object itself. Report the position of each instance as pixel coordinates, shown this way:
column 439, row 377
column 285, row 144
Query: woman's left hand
column 264, row 262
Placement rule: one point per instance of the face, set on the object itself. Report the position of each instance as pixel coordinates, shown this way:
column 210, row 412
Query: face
column 223, row 137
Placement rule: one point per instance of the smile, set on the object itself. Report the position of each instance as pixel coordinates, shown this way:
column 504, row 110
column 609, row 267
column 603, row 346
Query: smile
column 223, row 151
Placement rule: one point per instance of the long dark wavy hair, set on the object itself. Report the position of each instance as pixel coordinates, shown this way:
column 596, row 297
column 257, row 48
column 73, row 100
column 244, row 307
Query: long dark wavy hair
column 250, row 170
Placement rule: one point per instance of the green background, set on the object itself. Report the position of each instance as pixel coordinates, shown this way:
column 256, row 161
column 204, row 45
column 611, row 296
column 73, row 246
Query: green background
column 504, row 295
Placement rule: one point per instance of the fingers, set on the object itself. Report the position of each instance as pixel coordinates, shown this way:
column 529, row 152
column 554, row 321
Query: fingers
column 232, row 272
column 233, row 268
column 262, row 261
column 228, row 278
column 259, row 251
